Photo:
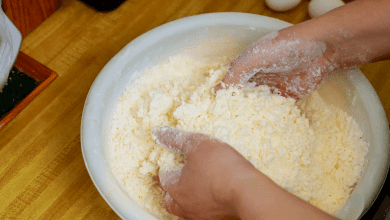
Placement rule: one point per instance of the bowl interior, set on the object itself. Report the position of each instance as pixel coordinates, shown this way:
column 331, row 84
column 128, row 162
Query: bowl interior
column 211, row 35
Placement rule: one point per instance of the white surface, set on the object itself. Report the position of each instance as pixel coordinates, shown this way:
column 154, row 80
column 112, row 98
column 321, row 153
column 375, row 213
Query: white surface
column 320, row 7
column 282, row 5
column 212, row 35
column 10, row 40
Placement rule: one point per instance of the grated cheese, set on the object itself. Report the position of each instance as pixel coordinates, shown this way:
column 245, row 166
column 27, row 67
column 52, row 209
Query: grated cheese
column 313, row 150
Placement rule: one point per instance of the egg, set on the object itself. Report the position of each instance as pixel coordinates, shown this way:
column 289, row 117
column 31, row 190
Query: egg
column 320, row 7
column 282, row 5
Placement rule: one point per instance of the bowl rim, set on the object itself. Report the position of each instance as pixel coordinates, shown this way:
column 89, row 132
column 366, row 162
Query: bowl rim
column 89, row 123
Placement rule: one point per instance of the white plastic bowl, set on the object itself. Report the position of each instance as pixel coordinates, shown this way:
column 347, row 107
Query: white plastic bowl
column 219, row 34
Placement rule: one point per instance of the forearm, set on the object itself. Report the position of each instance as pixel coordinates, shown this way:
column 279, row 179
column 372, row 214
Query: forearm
column 355, row 34
column 258, row 197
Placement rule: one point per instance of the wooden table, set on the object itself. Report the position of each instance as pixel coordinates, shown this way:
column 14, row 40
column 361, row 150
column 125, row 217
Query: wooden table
column 42, row 172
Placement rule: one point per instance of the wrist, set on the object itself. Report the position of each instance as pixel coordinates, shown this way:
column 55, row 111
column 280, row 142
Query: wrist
column 257, row 197
column 231, row 166
column 253, row 194
column 233, row 176
column 355, row 34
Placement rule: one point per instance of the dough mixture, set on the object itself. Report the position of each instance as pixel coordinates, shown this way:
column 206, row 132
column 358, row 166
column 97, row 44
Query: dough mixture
column 313, row 150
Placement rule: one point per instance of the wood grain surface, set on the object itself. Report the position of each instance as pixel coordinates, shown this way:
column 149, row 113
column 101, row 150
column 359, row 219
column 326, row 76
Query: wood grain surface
column 42, row 172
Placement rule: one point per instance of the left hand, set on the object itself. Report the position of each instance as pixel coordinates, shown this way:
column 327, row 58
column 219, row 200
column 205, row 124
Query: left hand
column 203, row 188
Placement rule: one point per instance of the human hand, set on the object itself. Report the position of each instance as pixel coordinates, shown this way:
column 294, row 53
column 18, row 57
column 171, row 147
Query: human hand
column 291, row 66
column 203, row 188
column 295, row 60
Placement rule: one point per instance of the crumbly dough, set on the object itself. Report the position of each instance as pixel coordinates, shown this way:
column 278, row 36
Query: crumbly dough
column 313, row 150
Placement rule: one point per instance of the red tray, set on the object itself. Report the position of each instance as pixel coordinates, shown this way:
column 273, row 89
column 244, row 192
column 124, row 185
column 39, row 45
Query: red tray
column 43, row 75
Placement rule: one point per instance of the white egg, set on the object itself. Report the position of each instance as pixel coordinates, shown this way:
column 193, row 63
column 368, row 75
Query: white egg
column 320, row 7
column 282, row 5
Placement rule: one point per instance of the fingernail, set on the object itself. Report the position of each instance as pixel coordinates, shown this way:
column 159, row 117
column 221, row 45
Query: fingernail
column 169, row 177
column 157, row 131
column 168, row 198
column 154, row 132
column 161, row 134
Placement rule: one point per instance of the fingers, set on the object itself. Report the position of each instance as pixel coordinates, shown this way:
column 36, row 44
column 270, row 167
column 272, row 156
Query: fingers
column 296, row 84
column 249, row 62
column 273, row 55
column 218, row 87
column 242, row 68
column 177, row 140
column 169, row 180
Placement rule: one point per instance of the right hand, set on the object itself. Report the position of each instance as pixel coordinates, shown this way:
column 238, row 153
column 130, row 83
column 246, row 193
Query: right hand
column 295, row 61
column 292, row 67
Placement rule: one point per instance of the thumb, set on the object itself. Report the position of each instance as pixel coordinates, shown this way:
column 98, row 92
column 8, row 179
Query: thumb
column 177, row 140
column 168, row 178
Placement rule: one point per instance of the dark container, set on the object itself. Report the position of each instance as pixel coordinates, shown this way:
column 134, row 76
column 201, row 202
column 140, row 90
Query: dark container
column 103, row 5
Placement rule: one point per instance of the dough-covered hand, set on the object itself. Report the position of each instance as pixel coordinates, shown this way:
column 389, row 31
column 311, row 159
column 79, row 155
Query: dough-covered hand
column 295, row 60
column 292, row 67
column 202, row 189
